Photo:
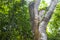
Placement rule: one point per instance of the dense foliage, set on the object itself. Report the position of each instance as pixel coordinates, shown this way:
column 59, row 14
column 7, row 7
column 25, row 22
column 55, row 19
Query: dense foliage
column 53, row 28
column 15, row 21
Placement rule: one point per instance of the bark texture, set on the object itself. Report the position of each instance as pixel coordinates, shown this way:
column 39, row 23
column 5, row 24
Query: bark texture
column 39, row 21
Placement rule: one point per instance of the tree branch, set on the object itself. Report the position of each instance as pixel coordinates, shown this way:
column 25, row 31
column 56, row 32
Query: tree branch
column 33, row 9
column 47, row 17
column 36, row 5
column 43, row 24
column 51, row 9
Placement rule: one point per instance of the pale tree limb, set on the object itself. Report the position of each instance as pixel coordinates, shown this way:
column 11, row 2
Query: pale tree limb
column 43, row 24
column 51, row 9
column 41, row 15
column 39, row 29
column 36, row 27
column 33, row 9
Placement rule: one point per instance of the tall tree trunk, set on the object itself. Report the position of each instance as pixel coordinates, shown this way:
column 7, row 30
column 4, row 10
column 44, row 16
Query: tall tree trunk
column 38, row 23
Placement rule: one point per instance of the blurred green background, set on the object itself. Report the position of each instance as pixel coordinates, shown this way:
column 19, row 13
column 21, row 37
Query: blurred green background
column 15, row 21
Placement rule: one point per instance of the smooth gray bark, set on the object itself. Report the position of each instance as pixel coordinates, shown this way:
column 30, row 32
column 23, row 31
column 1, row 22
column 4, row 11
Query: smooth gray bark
column 38, row 23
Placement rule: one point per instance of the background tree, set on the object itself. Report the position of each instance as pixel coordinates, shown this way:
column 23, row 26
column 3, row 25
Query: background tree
column 39, row 26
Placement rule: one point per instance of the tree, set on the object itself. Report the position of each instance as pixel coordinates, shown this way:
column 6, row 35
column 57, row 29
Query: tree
column 38, row 23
